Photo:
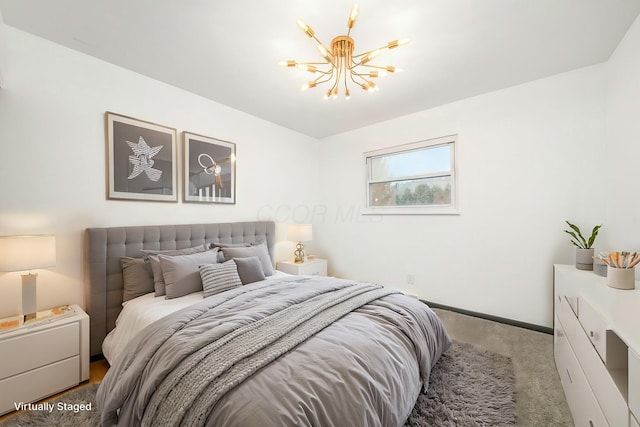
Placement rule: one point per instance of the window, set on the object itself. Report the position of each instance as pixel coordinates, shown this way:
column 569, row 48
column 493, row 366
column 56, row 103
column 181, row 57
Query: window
column 418, row 178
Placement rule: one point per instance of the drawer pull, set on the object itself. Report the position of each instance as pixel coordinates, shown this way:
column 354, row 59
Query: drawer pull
column 590, row 423
column 559, row 298
column 569, row 375
column 559, row 332
column 592, row 334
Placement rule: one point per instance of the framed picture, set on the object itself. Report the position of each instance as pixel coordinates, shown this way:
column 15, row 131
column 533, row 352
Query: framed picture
column 141, row 160
column 209, row 169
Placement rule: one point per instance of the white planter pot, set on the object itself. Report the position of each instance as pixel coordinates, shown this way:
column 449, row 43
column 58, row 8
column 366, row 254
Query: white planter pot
column 621, row 278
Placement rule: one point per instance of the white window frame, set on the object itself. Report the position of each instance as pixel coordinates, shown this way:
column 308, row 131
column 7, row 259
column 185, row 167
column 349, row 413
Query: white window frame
column 450, row 209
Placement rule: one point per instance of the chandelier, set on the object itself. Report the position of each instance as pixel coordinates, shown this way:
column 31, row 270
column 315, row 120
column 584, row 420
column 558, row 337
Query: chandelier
column 343, row 64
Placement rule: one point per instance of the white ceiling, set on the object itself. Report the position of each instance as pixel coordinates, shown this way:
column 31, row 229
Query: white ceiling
column 228, row 50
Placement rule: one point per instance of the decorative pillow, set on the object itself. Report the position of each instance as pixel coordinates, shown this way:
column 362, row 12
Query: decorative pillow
column 249, row 269
column 182, row 272
column 259, row 250
column 137, row 277
column 152, row 256
column 218, row 278
column 227, row 245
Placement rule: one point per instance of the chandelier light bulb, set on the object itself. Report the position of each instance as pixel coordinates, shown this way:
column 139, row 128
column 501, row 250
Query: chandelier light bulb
column 343, row 65
column 305, row 28
column 353, row 16
column 309, row 85
column 287, row 63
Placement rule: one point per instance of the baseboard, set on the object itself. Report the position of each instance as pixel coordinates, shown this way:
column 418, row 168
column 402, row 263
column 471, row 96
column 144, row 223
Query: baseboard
column 511, row 322
column 96, row 357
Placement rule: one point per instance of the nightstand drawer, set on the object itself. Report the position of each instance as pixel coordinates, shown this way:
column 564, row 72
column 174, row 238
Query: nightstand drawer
column 39, row 383
column 313, row 267
column 32, row 350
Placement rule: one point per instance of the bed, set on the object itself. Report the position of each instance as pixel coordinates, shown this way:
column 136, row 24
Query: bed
column 279, row 350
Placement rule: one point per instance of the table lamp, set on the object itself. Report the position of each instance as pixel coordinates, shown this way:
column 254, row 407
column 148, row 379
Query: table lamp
column 25, row 253
column 299, row 233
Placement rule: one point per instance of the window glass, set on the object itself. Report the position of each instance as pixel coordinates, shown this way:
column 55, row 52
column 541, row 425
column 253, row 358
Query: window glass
column 413, row 178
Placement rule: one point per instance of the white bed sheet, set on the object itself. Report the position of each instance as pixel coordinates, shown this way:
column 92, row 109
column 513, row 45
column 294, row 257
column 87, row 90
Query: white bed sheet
column 140, row 312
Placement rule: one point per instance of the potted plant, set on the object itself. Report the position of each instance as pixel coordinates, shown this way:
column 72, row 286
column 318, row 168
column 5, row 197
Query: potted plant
column 584, row 247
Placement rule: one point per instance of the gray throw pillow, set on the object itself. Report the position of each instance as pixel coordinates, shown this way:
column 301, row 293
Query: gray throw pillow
column 182, row 272
column 260, row 251
column 137, row 277
column 249, row 269
column 228, row 245
column 218, row 278
column 152, row 256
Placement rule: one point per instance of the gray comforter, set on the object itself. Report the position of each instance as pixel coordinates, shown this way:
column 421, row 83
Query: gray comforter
column 299, row 351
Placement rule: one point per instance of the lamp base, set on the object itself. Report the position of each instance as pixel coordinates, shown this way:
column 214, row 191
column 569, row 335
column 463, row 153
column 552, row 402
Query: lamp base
column 29, row 296
column 299, row 253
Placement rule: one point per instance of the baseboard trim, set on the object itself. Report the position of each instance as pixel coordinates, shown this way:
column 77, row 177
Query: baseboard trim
column 511, row 322
column 96, row 357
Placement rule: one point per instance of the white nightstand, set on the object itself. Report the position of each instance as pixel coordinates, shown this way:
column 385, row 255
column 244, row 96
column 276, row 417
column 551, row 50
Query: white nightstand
column 312, row 267
column 43, row 358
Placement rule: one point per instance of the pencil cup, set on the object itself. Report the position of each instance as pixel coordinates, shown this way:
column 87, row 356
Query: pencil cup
column 621, row 278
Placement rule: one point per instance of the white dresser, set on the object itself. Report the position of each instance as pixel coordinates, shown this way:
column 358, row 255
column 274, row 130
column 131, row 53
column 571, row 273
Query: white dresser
column 597, row 347
column 43, row 359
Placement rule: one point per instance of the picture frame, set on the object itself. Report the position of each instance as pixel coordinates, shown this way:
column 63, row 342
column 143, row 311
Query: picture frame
column 141, row 160
column 209, row 169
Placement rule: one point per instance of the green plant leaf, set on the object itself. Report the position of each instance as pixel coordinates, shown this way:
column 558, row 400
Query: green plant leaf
column 576, row 242
column 577, row 230
column 594, row 234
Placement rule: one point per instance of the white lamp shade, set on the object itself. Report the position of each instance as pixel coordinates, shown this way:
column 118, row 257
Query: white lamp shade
column 22, row 253
column 300, row 232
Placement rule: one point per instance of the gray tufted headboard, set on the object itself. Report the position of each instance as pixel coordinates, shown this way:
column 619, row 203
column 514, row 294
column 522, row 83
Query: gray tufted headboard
column 105, row 246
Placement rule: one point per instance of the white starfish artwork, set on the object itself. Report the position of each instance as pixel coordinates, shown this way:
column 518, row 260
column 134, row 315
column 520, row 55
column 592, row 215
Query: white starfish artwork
column 142, row 159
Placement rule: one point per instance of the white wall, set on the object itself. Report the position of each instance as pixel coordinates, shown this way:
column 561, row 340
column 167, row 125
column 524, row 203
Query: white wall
column 3, row 51
column 623, row 144
column 52, row 158
column 529, row 158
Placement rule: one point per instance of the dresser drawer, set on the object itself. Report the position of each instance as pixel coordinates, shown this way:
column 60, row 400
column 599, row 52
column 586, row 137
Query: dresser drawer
column 594, row 326
column 612, row 403
column 632, row 421
column 32, row 350
column 582, row 402
column 634, row 383
column 39, row 383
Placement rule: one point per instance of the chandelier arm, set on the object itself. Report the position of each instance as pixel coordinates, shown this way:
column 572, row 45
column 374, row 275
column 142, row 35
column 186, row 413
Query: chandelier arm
column 348, row 67
column 323, row 81
column 380, row 67
column 311, row 63
column 329, row 54
column 360, row 77
column 316, row 70
column 369, row 51
column 391, row 45
column 359, row 84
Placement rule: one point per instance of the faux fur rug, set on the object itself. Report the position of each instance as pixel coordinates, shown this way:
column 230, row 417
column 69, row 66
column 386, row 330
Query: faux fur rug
column 469, row 387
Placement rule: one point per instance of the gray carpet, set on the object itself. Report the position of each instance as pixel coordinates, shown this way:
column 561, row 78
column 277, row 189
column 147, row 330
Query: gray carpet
column 469, row 386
